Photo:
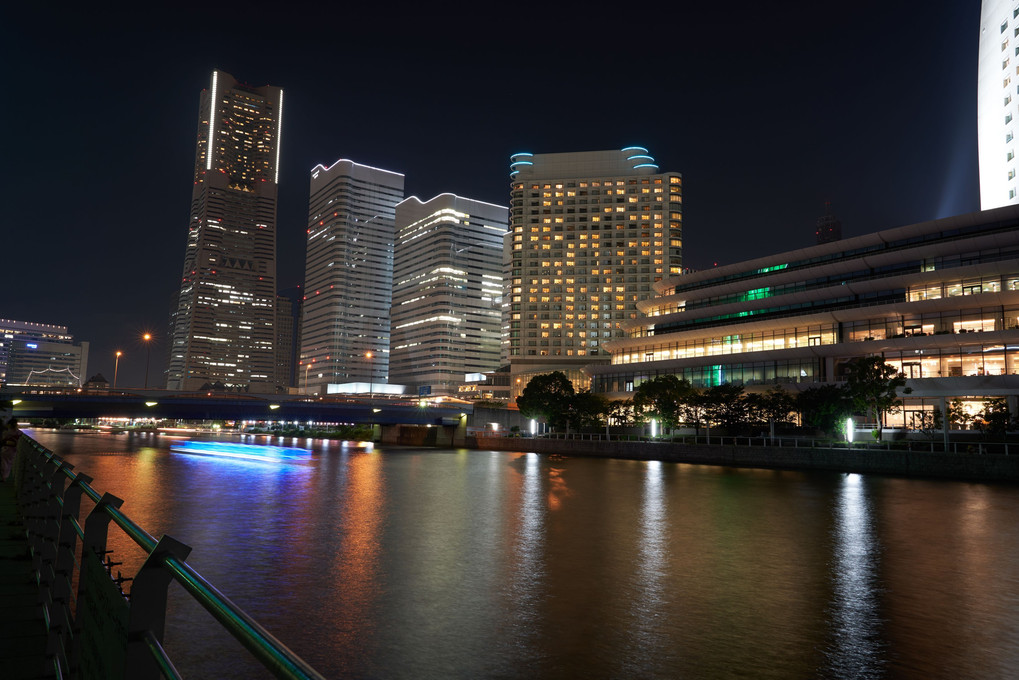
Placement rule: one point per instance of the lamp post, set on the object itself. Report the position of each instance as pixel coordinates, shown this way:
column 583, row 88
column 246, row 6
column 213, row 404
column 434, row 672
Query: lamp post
column 371, row 376
column 116, row 365
column 148, row 351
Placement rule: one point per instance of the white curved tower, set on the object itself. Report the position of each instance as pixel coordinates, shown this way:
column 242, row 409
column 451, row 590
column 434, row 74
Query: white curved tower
column 998, row 103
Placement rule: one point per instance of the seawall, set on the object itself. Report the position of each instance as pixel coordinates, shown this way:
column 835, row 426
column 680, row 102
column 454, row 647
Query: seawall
column 958, row 466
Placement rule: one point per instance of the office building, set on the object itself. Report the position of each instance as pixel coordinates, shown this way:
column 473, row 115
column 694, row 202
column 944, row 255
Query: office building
column 40, row 355
column 288, row 336
column 223, row 326
column 939, row 301
column 998, row 103
column 348, row 276
column 447, row 292
column 590, row 233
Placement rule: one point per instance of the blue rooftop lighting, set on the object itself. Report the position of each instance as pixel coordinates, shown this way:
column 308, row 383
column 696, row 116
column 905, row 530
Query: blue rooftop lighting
column 635, row 148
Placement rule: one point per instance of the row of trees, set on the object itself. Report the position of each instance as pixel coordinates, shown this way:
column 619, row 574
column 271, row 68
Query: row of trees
column 870, row 389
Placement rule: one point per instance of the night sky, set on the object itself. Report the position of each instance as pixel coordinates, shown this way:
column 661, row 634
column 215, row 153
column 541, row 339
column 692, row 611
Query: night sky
column 768, row 111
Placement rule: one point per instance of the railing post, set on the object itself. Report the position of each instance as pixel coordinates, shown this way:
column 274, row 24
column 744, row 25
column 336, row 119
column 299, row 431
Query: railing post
column 148, row 608
column 61, row 634
column 92, row 546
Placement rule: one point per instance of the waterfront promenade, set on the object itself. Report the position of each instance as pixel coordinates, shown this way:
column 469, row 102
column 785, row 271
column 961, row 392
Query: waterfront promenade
column 22, row 626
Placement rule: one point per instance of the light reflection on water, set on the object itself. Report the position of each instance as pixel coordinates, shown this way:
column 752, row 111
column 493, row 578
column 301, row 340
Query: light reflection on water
column 414, row 563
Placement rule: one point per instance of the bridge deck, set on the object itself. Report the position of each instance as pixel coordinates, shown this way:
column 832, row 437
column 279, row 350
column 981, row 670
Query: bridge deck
column 22, row 623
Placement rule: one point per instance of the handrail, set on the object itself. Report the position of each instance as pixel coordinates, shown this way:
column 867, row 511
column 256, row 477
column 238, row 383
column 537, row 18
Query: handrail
column 270, row 652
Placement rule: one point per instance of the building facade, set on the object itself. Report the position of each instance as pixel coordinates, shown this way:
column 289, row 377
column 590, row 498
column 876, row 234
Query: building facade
column 590, row 233
column 40, row 355
column 348, row 274
column 223, row 326
column 998, row 103
column 288, row 336
column 447, row 292
column 939, row 301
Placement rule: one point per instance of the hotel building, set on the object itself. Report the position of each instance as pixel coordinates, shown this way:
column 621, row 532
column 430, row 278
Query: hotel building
column 223, row 326
column 590, row 232
column 348, row 276
column 447, row 292
column 998, row 103
column 40, row 355
column 938, row 300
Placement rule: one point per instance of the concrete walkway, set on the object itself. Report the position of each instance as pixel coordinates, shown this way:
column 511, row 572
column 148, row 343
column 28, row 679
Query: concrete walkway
column 22, row 623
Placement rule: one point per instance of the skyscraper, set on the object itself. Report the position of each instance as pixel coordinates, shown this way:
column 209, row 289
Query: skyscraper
column 998, row 103
column 447, row 292
column 223, row 328
column 589, row 233
column 348, row 275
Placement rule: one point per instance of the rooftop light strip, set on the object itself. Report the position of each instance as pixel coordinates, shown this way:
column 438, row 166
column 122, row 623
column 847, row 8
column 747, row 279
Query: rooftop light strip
column 279, row 133
column 212, row 120
column 645, row 165
column 635, row 148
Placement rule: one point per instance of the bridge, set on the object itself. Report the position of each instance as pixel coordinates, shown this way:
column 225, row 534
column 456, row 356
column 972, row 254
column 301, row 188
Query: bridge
column 163, row 404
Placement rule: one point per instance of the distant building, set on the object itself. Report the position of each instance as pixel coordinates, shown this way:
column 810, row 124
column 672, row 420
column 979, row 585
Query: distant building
column 40, row 354
column 223, row 326
column 998, row 103
column 447, row 292
column 590, row 233
column 938, row 300
column 348, row 276
column 828, row 227
column 97, row 383
column 288, row 336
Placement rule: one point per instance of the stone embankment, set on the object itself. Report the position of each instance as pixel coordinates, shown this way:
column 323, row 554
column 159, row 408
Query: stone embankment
column 958, row 466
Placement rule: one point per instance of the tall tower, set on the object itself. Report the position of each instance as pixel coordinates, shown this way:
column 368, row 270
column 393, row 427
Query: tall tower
column 348, row 275
column 447, row 292
column 998, row 103
column 590, row 232
column 223, row 328
column 829, row 228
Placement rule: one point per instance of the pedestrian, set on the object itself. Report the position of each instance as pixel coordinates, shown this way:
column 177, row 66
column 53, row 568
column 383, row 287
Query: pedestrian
column 11, row 435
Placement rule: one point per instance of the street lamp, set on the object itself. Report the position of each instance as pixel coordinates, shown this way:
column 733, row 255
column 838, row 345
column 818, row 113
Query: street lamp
column 116, row 365
column 371, row 376
column 148, row 351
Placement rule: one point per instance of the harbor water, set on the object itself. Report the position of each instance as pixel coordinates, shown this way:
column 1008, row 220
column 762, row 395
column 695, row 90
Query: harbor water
column 424, row 563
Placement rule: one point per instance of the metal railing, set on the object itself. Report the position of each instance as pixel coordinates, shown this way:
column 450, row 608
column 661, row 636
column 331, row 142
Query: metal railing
column 51, row 513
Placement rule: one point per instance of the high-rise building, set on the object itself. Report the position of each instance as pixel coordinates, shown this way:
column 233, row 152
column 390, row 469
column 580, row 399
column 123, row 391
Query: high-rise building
column 998, row 103
column 223, row 327
column 829, row 228
column 288, row 336
column 348, row 276
column 590, row 232
column 447, row 292
column 40, row 354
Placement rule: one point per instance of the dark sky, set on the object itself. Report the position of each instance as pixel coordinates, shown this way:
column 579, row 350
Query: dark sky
column 768, row 110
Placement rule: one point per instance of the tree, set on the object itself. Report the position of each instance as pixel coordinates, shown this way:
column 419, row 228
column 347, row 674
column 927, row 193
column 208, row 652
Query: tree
column 871, row 385
column 547, row 397
column 825, row 407
column 587, row 410
column 660, row 399
column 725, row 405
column 621, row 412
column 995, row 420
column 773, row 406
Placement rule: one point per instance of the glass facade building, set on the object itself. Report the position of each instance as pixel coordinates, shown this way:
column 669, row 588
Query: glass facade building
column 938, row 300
column 348, row 276
column 447, row 292
column 223, row 325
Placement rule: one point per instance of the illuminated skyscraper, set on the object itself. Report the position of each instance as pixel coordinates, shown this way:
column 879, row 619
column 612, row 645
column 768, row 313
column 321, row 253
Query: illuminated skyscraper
column 998, row 103
column 590, row 232
column 447, row 292
column 348, row 276
column 223, row 329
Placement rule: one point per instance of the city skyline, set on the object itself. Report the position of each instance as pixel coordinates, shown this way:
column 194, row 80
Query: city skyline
column 819, row 116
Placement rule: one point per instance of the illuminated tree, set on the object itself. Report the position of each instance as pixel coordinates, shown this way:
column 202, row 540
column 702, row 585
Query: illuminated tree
column 661, row 398
column 872, row 387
